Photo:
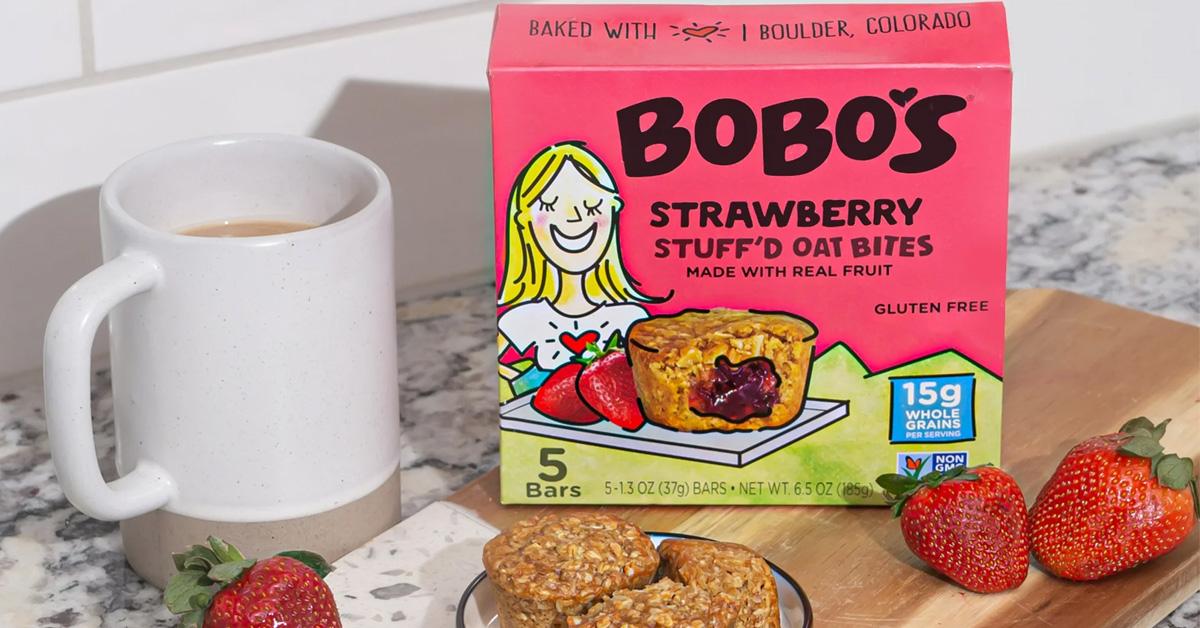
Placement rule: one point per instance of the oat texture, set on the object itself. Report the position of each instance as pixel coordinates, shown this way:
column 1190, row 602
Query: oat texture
column 552, row 566
column 665, row 603
column 726, row 570
column 670, row 354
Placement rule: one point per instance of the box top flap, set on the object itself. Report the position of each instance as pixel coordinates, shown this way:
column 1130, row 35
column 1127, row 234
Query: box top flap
column 564, row 36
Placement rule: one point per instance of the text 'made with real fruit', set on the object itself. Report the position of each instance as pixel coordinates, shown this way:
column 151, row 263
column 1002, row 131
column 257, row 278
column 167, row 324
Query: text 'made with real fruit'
column 747, row 255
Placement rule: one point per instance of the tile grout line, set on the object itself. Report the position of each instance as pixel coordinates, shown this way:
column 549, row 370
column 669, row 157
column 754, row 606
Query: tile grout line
column 87, row 39
column 93, row 77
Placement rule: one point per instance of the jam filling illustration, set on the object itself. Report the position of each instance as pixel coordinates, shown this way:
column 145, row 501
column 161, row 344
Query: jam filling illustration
column 737, row 392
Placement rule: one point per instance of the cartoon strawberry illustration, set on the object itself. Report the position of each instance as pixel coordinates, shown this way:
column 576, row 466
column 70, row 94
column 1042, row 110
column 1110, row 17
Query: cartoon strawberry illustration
column 1114, row 502
column 969, row 524
column 218, row 587
column 606, row 385
column 559, row 398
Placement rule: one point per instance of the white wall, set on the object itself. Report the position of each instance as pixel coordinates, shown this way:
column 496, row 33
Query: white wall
column 85, row 84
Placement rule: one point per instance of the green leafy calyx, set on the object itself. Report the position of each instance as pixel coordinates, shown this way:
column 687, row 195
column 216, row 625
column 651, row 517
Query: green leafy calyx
column 897, row 488
column 593, row 351
column 312, row 560
column 1144, row 441
column 205, row 570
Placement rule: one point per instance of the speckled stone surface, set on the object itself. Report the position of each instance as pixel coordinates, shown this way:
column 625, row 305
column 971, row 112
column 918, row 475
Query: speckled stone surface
column 1121, row 223
column 413, row 574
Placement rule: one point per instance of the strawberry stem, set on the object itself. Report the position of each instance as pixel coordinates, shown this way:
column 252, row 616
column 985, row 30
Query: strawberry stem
column 1171, row 470
column 593, row 351
column 897, row 488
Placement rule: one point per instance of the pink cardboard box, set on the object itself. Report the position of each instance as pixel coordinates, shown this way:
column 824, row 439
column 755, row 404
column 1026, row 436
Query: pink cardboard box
column 747, row 254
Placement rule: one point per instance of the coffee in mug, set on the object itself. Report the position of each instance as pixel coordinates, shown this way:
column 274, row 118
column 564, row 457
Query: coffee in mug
column 244, row 228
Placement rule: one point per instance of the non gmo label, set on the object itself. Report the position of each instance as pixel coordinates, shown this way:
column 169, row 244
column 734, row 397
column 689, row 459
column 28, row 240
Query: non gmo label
column 933, row 409
column 916, row 464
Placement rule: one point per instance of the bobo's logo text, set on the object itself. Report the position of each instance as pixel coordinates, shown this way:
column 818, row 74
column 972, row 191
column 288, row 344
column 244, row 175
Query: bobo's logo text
column 804, row 125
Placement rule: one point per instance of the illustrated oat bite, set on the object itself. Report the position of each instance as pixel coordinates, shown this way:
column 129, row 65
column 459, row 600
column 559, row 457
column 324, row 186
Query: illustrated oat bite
column 747, row 254
column 724, row 370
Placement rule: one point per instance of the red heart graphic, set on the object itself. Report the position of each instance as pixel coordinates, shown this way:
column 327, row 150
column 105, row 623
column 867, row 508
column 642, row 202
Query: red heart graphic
column 700, row 32
column 576, row 344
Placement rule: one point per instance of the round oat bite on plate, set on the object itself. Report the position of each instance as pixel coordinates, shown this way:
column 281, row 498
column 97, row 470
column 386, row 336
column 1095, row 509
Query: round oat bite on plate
column 726, row 570
column 665, row 603
column 550, row 567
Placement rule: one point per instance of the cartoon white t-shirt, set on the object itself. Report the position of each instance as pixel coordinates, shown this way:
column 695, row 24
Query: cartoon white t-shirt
column 557, row 336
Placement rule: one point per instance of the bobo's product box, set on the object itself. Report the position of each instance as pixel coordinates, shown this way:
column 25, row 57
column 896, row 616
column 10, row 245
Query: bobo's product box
column 747, row 255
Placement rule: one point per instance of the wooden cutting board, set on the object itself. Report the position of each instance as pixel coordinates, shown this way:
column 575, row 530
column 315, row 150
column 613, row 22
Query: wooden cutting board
column 1076, row 367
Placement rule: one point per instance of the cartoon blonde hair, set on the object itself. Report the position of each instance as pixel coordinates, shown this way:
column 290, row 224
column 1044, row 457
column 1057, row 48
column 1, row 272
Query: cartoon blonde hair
column 528, row 275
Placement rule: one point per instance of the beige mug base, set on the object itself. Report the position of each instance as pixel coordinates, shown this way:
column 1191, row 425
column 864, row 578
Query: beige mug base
column 151, row 538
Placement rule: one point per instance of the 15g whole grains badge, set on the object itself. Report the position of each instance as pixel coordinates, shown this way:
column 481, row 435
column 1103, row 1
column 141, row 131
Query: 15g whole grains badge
column 743, row 259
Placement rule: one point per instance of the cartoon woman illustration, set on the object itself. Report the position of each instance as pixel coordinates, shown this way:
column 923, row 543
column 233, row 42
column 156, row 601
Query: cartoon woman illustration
column 564, row 283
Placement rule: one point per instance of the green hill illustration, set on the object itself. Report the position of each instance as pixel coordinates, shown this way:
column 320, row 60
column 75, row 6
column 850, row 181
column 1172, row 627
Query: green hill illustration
column 833, row 465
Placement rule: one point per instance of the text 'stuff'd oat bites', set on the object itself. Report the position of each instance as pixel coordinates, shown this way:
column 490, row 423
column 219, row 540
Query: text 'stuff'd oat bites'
column 747, row 255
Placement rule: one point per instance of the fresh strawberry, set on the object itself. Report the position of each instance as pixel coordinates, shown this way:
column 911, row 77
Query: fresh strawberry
column 1115, row 501
column 968, row 524
column 558, row 397
column 606, row 385
column 218, row 587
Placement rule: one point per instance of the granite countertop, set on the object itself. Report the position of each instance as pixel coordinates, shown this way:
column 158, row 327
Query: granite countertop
column 1121, row 223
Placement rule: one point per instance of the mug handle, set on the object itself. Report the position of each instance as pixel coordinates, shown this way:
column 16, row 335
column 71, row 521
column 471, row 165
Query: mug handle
column 68, row 360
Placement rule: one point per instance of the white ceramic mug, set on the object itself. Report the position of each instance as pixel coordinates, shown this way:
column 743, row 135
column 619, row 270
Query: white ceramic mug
column 254, row 378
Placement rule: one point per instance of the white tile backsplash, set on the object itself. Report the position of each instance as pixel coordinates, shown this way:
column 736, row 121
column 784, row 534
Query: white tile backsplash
column 376, row 93
column 131, row 32
column 39, row 42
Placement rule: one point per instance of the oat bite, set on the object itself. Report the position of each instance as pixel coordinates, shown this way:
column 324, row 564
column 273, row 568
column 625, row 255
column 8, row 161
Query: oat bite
column 728, row 570
column 550, row 567
column 721, row 369
column 665, row 603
